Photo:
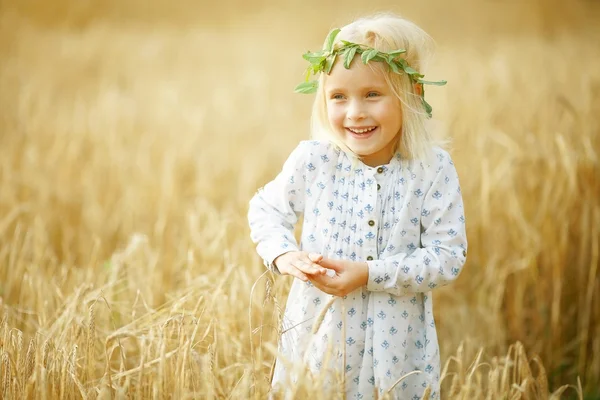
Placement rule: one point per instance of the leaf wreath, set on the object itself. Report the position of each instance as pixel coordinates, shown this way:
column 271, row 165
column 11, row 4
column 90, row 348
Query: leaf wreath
column 323, row 61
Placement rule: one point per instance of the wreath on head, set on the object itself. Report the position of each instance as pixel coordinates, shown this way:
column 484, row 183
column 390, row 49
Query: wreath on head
column 323, row 61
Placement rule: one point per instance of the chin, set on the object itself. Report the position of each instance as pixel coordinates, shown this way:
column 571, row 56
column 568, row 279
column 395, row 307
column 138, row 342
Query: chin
column 362, row 151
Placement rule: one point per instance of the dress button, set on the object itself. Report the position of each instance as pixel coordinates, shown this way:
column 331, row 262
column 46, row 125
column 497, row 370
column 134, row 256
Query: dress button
column 369, row 258
column 380, row 170
column 378, row 186
column 371, row 223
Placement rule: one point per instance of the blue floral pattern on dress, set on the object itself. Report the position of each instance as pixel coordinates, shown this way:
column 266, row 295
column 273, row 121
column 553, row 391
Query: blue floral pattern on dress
column 414, row 211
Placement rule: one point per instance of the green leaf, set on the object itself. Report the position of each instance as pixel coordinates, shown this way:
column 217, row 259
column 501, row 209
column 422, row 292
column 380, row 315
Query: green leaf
column 396, row 52
column 349, row 56
column 415, row 77
column 307, row 74
column 307, row 87
column 363, row 56
column 435, row 83
column 329, row 63
column 394, row 67
column 322, row 64
column 410, row 70
column 341, row 53
column 314, row 58
column 379, row 58
column 331, row 39
column 369, row 55
column 428, row 108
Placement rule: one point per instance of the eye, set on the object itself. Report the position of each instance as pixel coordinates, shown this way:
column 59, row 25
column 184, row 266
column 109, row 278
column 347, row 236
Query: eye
column 337, row 96
column 373, row 94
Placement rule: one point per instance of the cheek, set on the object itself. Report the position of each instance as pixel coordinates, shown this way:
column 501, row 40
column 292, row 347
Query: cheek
column 335, row 114
column 390, row 113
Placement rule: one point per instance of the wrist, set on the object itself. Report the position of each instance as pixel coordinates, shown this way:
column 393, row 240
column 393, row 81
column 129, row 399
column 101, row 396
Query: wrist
column 363, row 267
column 274, row 267
column 279, row 257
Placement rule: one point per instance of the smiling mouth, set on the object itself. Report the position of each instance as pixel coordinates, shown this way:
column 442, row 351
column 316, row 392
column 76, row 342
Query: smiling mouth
column 362, row 131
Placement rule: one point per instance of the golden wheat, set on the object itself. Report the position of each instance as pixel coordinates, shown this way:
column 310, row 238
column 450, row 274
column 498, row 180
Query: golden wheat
column 132, row 136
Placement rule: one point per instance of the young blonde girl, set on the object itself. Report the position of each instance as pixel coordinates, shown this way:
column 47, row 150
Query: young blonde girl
column 383, row 221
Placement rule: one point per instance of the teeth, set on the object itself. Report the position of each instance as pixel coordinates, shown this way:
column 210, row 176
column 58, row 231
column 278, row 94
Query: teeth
column 361, row 130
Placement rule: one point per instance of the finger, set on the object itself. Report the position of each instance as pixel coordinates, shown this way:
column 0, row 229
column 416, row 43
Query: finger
column 301, row 266
column 330, row 273
column 315, row 257
column 331, row 264
column 293, row 271
column 297, row 274
column 308, row 267
column 325, row 281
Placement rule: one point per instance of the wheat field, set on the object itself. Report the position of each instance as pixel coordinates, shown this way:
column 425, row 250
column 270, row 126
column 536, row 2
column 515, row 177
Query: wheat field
column 133, row 134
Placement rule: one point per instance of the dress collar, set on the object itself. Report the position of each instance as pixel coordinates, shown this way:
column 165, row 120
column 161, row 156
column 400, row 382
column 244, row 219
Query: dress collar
column 361, row 168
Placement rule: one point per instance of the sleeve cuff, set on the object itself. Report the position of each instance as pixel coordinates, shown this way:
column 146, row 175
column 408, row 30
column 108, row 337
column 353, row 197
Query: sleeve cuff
column 272, row 267
column 378, row 278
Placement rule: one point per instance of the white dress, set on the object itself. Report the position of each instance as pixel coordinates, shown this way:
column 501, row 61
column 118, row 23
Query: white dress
column 406, row 220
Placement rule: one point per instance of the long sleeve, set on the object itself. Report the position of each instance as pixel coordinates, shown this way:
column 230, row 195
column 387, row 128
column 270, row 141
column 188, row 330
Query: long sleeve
column 274, row 209
column 442, row 254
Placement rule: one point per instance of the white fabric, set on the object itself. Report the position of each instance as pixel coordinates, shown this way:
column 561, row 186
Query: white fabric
column 416, row 242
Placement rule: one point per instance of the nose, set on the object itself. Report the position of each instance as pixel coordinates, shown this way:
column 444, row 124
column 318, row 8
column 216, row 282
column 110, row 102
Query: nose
column 355, row 111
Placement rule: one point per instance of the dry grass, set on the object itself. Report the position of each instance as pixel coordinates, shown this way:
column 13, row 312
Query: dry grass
column 132, row 136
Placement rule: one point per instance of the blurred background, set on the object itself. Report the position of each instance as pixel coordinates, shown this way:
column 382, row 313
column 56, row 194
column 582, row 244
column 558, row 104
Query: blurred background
column 133, row 134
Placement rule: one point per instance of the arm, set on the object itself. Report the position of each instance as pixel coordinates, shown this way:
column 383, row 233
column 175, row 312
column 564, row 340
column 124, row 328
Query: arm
column 443, row 242
column 274, row 209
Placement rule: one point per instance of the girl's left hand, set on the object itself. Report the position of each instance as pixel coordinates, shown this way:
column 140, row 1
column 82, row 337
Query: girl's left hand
column 349, row 275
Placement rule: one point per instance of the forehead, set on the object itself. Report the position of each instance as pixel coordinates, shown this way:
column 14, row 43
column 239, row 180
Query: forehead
column 358, row 76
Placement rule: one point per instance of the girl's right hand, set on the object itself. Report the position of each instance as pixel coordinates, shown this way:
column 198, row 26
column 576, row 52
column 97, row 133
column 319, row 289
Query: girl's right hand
column 299, row 264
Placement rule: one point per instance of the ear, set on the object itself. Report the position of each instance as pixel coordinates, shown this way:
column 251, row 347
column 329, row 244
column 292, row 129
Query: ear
column 418, row 89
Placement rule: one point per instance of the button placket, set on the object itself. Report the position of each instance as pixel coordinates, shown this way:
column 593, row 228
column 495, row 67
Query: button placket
column 381, row 176
column 370, row 217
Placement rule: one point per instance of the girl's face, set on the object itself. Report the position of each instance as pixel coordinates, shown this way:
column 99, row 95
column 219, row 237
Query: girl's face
column 363, row 111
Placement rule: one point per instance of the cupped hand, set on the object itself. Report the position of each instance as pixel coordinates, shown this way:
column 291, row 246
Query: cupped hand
column 349, row 275
column 300, row 264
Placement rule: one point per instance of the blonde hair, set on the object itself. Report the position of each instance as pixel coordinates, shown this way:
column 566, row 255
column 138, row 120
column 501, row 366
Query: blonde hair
column 386, row 32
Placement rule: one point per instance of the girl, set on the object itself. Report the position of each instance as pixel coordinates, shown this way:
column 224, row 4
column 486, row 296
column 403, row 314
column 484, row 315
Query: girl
column 383, row 220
